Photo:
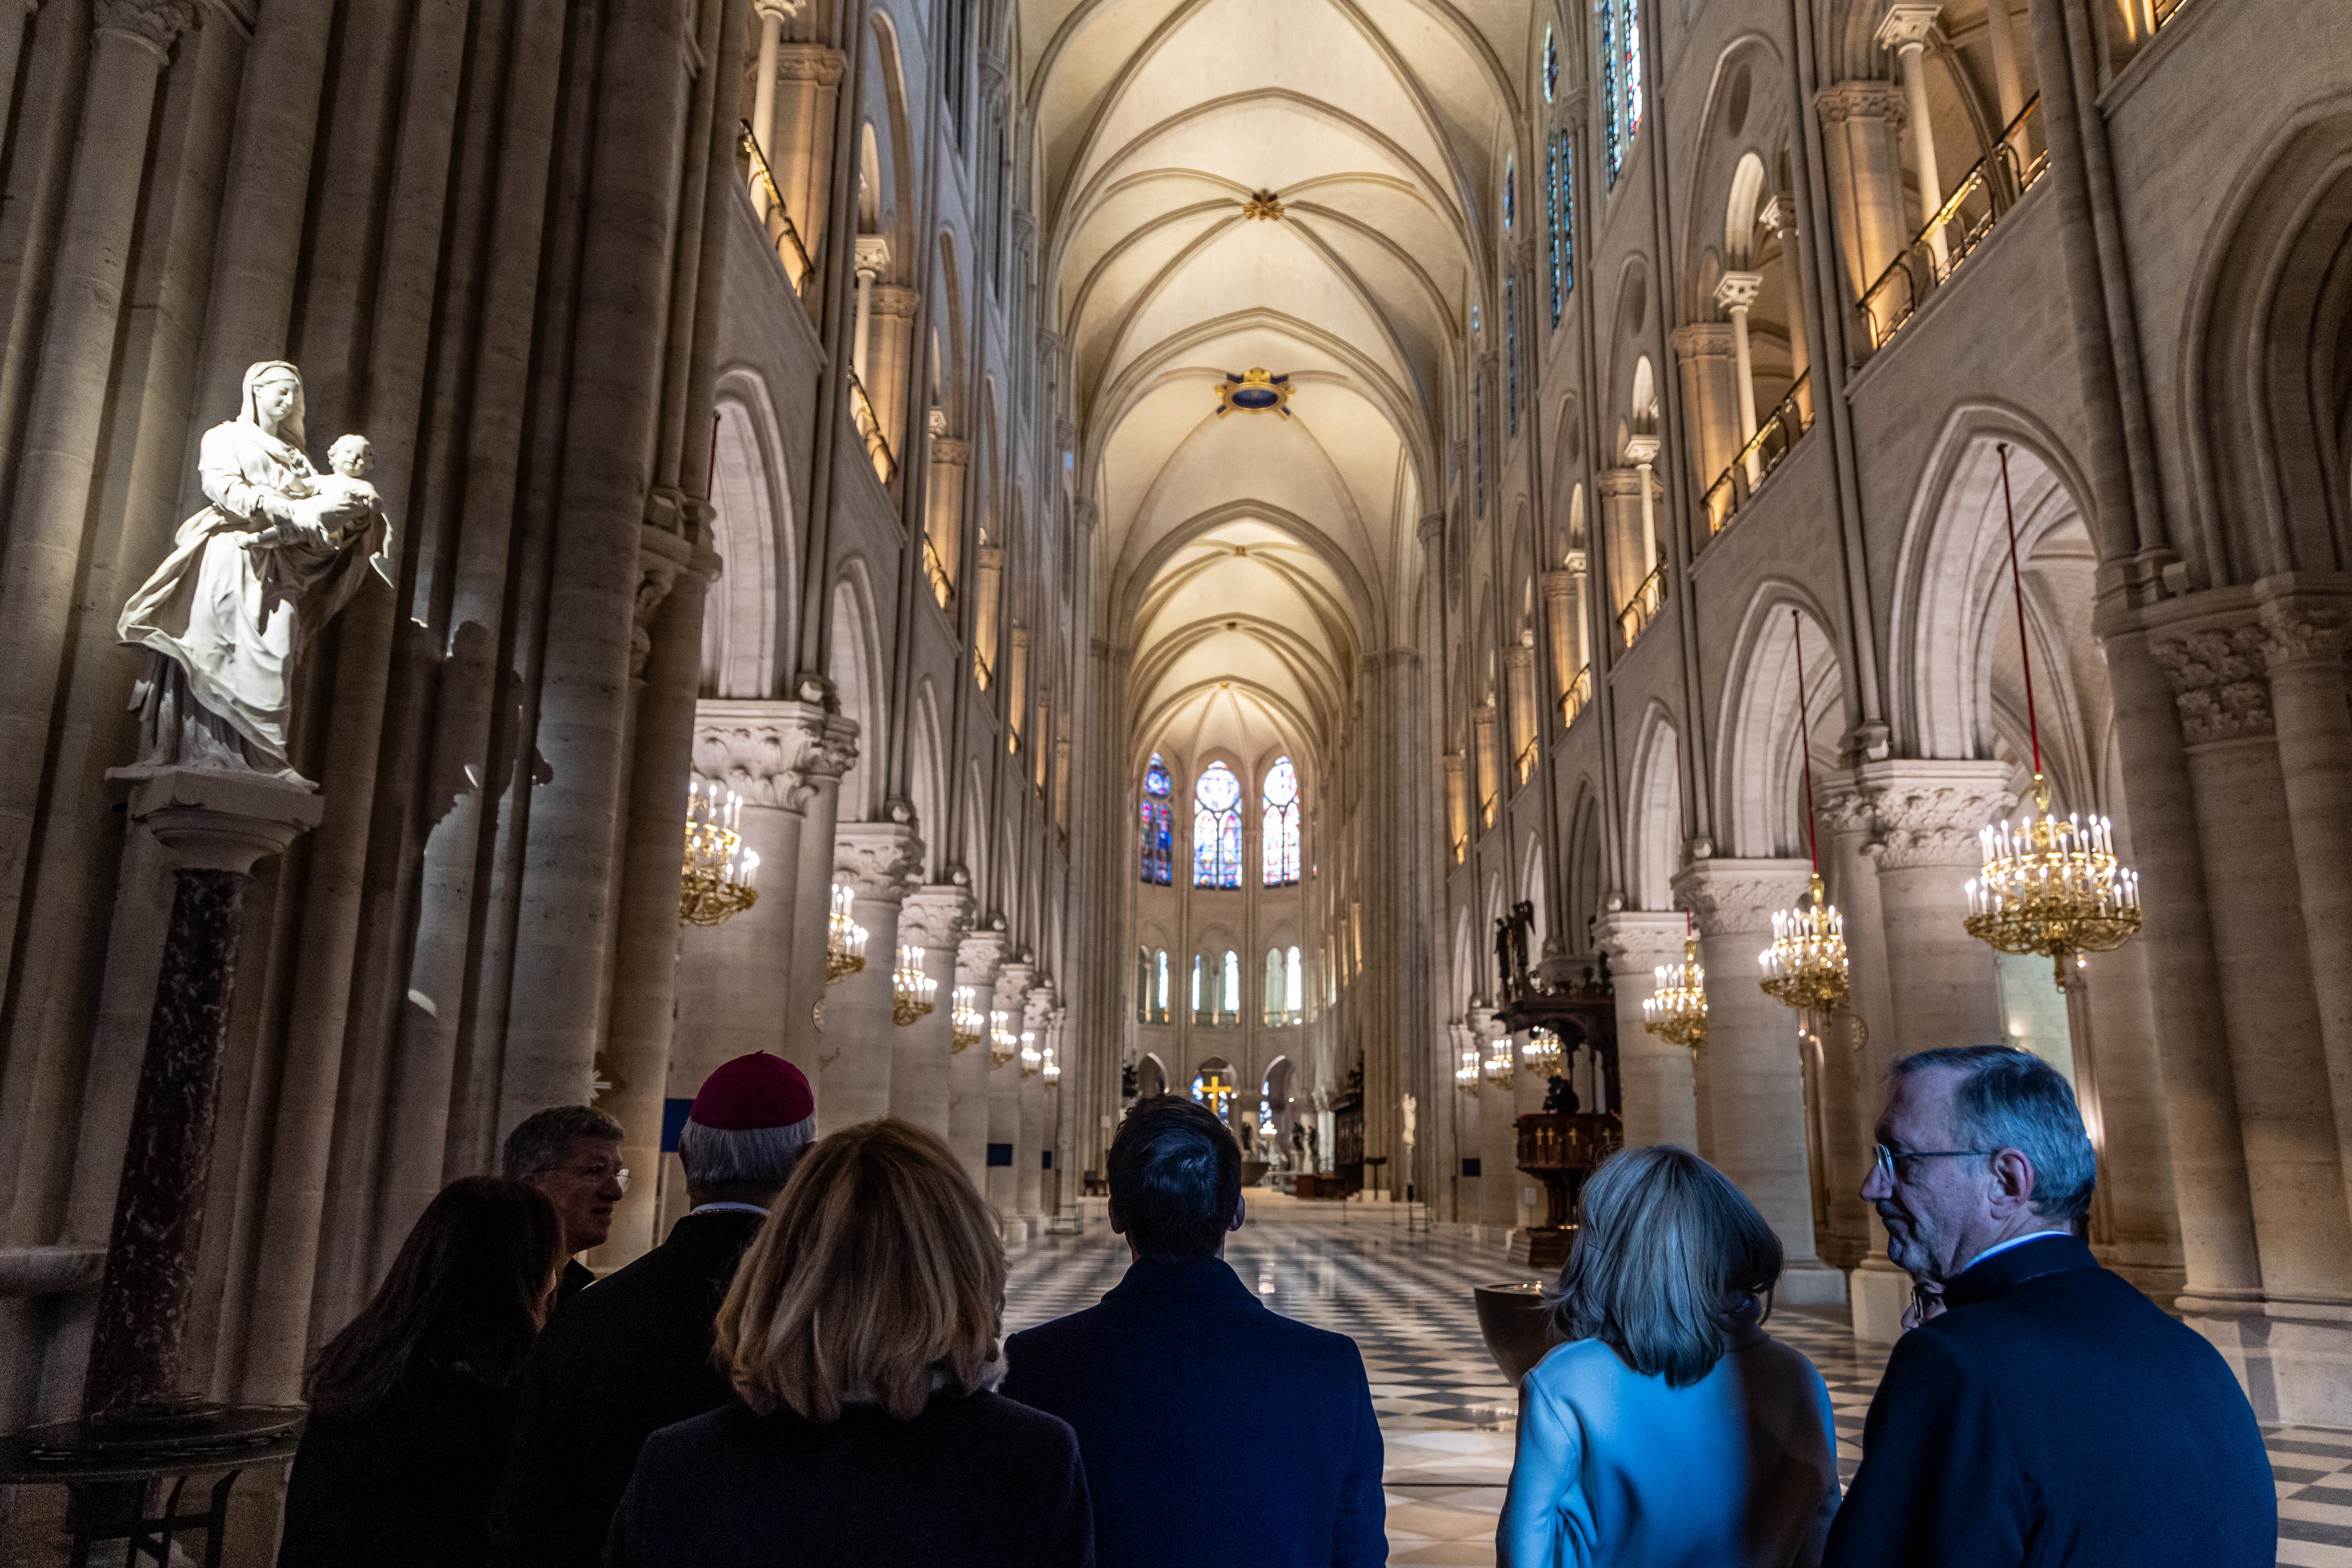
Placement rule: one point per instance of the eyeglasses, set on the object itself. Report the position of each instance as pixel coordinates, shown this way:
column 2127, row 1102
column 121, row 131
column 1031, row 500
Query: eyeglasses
column 597, row 1174
column 1887, row 1157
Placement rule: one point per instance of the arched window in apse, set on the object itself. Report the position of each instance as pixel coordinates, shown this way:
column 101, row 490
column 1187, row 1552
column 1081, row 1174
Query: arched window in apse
column 1198, row 964
column 1294, row 987
column 1273, row 988
column 1217, row 829
column 1158, row 825
column 1230, row 999
column 1159, row 993
column 1621, row 78
column 1142, row 985
column 1278, row 844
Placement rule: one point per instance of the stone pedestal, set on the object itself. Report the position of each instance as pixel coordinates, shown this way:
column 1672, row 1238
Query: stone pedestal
column 922, row 1057
column 874, row 860
column 212, row 826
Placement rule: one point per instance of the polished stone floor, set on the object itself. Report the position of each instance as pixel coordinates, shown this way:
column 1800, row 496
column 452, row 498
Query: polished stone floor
column 1402, row 1293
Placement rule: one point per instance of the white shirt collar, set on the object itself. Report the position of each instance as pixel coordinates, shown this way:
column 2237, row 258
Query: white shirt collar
column 1996, row 1246
column 728, row 1208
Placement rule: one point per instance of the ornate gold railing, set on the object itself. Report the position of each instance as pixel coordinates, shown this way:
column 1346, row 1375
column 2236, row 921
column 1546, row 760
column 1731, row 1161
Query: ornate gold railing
column 1775, row 434
column 1577, row 698
column 981, row 671
column 870, row 431
column 1526, row 759
column 943, row 586
column 1643, row 608
column 781, row 233
column 1985, row 193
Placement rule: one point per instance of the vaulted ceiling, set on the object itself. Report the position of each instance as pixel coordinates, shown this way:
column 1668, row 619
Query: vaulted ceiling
column 1250, row 559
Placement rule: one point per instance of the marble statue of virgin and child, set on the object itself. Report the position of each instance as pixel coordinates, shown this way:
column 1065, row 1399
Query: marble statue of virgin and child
column 251, row 580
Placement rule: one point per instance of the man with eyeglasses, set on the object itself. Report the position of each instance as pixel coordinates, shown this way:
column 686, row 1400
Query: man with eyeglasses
column 2050, row 1414
column 573, row 1154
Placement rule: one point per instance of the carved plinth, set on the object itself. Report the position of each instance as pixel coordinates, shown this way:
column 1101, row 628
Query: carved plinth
column 1559, row 1149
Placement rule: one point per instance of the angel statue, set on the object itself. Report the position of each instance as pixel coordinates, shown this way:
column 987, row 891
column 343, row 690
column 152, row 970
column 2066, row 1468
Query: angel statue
column 250, row 581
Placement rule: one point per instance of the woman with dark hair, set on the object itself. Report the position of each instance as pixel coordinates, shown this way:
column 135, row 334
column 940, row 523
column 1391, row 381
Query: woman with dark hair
column 861, row 1336
column 411, row 1406
column 1672, row 1429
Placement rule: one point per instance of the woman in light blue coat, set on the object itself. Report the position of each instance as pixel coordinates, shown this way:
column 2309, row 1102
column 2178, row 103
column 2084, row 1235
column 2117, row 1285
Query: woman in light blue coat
column 1672, row 1431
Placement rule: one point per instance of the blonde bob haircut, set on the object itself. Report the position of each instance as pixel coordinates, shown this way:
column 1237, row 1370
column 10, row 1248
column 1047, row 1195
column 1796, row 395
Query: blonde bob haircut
column 876, row 1279
column 1669, row 1259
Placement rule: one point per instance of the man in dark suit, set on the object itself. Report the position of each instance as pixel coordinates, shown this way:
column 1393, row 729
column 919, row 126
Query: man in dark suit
column 1212, row 1429
column 573, row 1154
column 2051, row 1414
column 634, row 1354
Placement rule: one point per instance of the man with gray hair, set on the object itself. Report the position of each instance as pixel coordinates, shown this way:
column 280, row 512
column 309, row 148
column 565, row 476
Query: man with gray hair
column 2051, row 1414
column 634, row 1354
column 571, row 1153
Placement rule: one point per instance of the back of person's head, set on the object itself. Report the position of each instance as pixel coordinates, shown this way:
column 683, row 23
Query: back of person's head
column 1668, row 1258
column 751, row 1123
column 2012, row 1099
column 878, row 1268
column 467, row 1294
column 1175, row 1177
column 542, row 1140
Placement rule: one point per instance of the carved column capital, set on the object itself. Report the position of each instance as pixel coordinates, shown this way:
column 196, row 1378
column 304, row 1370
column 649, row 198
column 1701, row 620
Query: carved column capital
column 978, row 958
column 1737, row 291
column 1738, row 898
column 950, row 452
column 1638, row 942
column 812, row 63
column 878, row 860
column 772, row 753
column 157, row 24
column 1692, row 341
column 1907, row 27
column 2218, row 682
column 1930, row 813
column 2297, row 633
column 936, row 916
column 662, row 557
column 1845, row 101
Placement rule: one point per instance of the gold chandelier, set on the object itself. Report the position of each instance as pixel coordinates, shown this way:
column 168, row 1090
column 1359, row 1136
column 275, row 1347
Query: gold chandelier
column 965, row 1020
column 1541, row 1054
column 1052, row 1069
column 1466, row 1076
column 715, row 883
column 912, row 990
column 1001, row 1047
column 1501, row 1071
column 845, row 939
column 1033, row 1060
column 1805, row 967
column 2048, row 886
column 1677, row 1012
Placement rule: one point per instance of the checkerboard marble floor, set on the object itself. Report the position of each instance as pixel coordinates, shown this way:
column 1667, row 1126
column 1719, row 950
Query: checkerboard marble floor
column 1402, row 1293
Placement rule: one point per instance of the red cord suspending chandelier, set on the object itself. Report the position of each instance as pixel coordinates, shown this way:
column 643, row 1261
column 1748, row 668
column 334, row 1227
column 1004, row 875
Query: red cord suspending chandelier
column 2050, row 884
column 1805, row 967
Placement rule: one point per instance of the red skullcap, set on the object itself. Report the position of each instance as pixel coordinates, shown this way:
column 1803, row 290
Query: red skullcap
column 757, row 1090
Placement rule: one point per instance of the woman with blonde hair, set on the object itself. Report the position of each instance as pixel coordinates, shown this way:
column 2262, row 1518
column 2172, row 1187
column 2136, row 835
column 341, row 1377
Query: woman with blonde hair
column 1670, row 1429
column 861, row 1335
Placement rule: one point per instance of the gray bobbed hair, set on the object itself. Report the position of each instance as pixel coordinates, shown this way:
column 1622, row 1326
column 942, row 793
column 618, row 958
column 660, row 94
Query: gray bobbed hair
column 743, row 1157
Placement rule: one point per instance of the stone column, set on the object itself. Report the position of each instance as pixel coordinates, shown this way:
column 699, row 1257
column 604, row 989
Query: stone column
column 983, row 626
column 131, row 43
column 822, row 767
column 1560, row 619
column 1876, row 1292
column 1519, row 684
column 1396, row 952
column 1002, row 1190
column 735, row 981
column 1736, row 292
column 1620, row 491
column 1943, row 989
column 1457, row 802
column 1487, row 778
column 2009, row 85
column 2286, row 1105
column 1657, row 1076
column 943, row 503
column 1779, row 216
column 764, row 91
column 873, row 255
column 876, row 860
column 808, row 89
column 1029, row 1146
column 889, row 348
column 1642, row 451
column 1905, row 31
column 922, row 1062
column 1752, row 1061
column 213, row 827
column 978, row 959
column 1703, row 357
column 1860, row 124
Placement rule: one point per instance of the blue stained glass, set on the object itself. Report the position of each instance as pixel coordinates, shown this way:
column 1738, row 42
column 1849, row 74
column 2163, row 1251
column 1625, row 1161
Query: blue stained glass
column 1605, row 12
column 1511, row 194
column 1478, row 437
column 1278, row 844
column 1158, row 825
column 1552, row 224
column 1566, row 213
column 1511, row 351
column 1217, row 828
column 1631, row 44
column 1551, row 65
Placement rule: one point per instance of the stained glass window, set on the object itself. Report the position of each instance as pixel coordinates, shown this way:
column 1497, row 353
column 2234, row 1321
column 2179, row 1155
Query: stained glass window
column 1230, row 1000
column 1159, row 1006
column 1293, row 986
column 1478, row 437
column 1511, row 194
column 1158, row 825
column 1605, row 12
column 1142, row 985
column 1199, row 1017
column 1551, row 64
column 1621, row 78
column 1630, row 50
column 1567, row 211
column 1279, row 841
column 1511, row 353
column 1217, row 828
column 1273, row 988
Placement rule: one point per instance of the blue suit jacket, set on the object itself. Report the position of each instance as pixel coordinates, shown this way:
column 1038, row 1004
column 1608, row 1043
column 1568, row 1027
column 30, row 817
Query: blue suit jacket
column 2055, row 1415
column 1212, row 1429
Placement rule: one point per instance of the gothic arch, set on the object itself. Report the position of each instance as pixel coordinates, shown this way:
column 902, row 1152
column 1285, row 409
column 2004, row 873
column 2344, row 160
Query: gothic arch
column 748, row 617
column 1762, row 761
column 1655, row 815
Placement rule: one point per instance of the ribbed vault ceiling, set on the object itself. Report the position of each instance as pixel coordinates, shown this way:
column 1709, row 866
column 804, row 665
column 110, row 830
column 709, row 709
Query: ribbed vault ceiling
column 1251, row 560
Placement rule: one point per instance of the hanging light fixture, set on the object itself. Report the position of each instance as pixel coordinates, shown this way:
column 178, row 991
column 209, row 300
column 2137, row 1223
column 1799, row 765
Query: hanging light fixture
column 1678, row 1010
column 1541, row 1054
column 912, row 990
column 2050, row 886
column 965, row 1020
column 1805, row 967
column 715, row 882
column 1501, row 1070
column 845, row 939
column 1032, row 1059
column 1001, row 1047
column 1052, row 1069
column 1466, row 1076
